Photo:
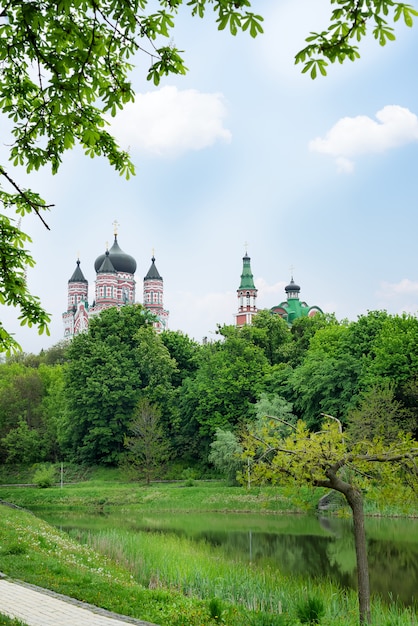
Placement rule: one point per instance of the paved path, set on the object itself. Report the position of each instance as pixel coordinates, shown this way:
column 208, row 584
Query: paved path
column 40, row 607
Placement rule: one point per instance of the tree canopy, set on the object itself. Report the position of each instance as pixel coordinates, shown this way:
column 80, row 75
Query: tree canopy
column 80, row 397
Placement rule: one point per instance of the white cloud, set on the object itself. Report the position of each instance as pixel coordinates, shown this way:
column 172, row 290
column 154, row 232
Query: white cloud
column 269, row 295
column 351, row 136
column 344, row 166
column 404, row 287
column 169, row 122
column 198, row 314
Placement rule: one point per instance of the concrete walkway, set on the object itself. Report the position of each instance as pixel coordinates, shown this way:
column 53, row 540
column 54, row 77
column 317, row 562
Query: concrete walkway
column 39, row 607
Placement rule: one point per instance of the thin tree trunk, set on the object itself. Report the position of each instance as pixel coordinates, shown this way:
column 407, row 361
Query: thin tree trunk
column 355, row 500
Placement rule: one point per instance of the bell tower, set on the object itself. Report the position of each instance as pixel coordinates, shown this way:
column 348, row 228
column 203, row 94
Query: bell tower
column 247, row 295
column 153, row 296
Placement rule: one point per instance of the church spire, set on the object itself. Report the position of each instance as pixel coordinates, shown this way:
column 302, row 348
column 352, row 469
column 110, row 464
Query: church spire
column 247, row 294
column 154, row 294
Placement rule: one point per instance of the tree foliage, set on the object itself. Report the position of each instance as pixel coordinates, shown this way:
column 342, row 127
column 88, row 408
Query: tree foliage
column 225, row 454
column 78, row 398
column 102, row 385
column 227, row 383
column 350, row 22
column 146, row 442
column 379, row 415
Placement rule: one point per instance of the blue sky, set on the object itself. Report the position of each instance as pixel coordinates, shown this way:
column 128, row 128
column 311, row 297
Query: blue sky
column 315, row 175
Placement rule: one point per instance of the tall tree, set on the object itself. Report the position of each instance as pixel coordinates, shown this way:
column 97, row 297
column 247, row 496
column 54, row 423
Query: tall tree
column 103, row 384
column 327, row 378
column 184, row 351
column 269, row 332
column 230, row 377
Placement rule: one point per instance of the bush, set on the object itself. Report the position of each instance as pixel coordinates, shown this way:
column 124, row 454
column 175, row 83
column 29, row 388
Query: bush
column 44, row 476
column 189, row 475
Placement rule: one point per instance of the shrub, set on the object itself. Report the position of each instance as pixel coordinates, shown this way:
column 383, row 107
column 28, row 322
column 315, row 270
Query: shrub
column 44, row 476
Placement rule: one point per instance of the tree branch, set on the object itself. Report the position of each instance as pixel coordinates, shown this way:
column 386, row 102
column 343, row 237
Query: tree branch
column 34, row 205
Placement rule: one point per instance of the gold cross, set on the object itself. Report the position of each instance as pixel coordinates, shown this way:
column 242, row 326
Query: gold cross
column 115, row 227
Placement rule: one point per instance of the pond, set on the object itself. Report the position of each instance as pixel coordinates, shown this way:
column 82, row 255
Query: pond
column 299, row 545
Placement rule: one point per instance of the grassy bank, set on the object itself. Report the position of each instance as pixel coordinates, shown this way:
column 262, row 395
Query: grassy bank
column 211, row 496
column 168, row 580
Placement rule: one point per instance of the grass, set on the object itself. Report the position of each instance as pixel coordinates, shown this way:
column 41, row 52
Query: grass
column 167, row 579
column 211, row 496
column 8, row 621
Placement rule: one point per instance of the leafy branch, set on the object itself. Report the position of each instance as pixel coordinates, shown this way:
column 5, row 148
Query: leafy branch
column 349, row 24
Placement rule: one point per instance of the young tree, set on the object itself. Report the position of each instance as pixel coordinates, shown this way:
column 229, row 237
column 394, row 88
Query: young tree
column 327, row 459
column 148, row 447
column 23, row 445
column 226, row 454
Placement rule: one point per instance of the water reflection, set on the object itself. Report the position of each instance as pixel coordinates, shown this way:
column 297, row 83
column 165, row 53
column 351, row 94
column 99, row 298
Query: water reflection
column 298, row 545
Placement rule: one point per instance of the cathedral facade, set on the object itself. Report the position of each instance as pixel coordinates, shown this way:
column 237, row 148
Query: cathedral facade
column 114, row 287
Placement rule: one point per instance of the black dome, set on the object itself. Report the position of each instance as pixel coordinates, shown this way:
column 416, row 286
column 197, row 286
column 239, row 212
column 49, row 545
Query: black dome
column 292, row 286
column 121, row 261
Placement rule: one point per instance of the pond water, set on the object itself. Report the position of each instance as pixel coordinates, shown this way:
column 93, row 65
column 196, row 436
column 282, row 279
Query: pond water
column 298, row 545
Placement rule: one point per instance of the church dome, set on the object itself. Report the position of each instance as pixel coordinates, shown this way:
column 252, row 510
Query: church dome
column 292, row 286
column 121, row 261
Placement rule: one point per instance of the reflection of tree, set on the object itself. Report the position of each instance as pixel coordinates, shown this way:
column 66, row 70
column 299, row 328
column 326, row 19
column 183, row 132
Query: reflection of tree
column 299, row 555
column 396, row 564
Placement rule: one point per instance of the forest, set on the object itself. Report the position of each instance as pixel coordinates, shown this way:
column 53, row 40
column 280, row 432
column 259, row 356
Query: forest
column 122, row 393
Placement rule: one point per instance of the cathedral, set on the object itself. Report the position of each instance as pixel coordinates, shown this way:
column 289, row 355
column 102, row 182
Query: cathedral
column 114, row 286
column 290, row 309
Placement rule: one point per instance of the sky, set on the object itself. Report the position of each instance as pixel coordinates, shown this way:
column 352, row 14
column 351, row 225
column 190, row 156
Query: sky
column 312, row 178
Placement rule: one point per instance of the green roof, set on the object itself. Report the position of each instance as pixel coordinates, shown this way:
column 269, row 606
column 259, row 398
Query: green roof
column 247, row 279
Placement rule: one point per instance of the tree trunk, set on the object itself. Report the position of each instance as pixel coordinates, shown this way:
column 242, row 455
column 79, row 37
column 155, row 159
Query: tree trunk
column 355, row 500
